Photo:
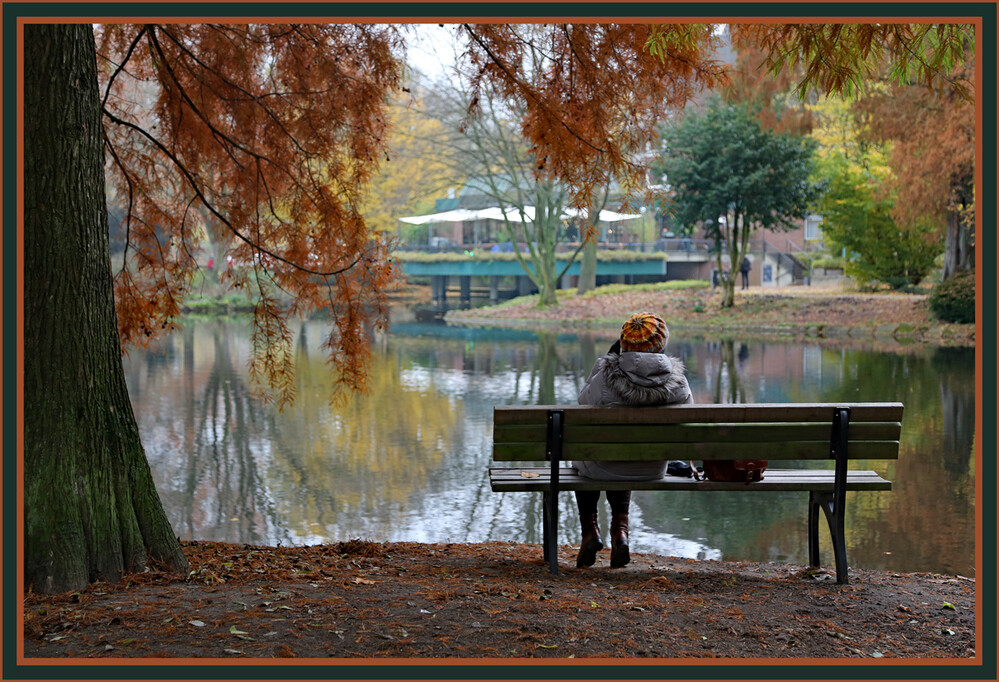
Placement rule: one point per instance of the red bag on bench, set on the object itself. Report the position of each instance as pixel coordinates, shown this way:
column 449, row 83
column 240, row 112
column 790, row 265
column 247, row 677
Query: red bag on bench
column 735, row 470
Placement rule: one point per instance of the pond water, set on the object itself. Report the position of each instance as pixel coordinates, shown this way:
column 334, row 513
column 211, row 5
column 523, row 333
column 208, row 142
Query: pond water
column 407, row 461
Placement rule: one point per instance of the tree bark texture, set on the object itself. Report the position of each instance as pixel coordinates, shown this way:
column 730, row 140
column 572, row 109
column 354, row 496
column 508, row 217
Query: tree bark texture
column 91, row 510
column 588, row 263
column 958, row 252
column 735, row 248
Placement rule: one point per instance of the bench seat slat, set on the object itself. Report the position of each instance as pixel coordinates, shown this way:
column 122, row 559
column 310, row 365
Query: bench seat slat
column 812, row 450
column 695, row 433
column 745, row 412
column 510, row 479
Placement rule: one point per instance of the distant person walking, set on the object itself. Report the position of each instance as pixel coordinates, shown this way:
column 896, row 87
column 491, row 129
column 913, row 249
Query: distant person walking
column 744, row 269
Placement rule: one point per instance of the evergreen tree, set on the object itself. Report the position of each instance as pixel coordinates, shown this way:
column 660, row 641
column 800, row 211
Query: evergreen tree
column 731, row 176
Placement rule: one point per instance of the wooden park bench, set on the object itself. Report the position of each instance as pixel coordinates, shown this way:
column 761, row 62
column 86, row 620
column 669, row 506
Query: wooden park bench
column 838, row 433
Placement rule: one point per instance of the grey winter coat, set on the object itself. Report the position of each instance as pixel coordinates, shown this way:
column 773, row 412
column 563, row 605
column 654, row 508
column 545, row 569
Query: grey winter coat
column 639, row 379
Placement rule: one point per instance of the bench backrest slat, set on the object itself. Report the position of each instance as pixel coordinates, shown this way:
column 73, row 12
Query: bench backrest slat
column 748, row 412
column 748, row 431
column 696, row 433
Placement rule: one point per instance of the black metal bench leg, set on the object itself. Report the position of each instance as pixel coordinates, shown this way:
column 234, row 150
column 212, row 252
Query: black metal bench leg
column 553, row 454
column 836, row 531
column 545, row 524
column 835, row 506
column 813, row 530
column 550, row 526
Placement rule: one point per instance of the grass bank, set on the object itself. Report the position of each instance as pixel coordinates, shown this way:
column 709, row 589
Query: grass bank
column 693, row 307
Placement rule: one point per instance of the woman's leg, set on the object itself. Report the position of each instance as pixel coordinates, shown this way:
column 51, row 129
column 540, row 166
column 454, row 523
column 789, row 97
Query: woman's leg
column 620, row 501
column 586, row 502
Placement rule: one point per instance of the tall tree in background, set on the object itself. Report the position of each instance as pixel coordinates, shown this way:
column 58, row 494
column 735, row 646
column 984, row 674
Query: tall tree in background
column 733, row 177
column 932, row 136
column 858, row 206
column 413, row 172
column 857, row 209
column 591, row 97
column 488, row 150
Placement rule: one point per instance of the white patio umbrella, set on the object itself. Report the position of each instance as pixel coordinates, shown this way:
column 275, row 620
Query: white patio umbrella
column 497, row 213
column 513, row 214
column 605, row 216
column 457, row 215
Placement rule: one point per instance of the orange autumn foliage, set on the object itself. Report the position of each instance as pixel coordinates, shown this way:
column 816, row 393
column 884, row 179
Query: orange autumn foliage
column 769, row 95
column 260, row 137
column 913, row 86
column 932, row 136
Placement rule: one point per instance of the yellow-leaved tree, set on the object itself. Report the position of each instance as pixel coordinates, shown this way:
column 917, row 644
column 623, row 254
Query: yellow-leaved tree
column 412, row 174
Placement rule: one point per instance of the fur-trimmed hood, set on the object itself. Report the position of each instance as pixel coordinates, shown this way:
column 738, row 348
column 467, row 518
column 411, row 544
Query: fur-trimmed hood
column 636, row 379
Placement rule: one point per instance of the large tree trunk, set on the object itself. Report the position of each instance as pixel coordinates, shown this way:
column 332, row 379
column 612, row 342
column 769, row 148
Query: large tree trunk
column 728, row 289
column 728, row 279
column 958, row 252
column 588, row 263
column 91, row 510
column 588, row 267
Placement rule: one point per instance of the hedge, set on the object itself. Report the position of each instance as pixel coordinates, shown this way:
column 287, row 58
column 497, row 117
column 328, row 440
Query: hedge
column 953, row 300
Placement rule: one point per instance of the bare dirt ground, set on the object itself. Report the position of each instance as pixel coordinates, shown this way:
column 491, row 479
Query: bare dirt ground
column 497, row 600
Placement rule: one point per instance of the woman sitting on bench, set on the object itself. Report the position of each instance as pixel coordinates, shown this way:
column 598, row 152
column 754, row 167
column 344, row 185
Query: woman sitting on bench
column 636, row 371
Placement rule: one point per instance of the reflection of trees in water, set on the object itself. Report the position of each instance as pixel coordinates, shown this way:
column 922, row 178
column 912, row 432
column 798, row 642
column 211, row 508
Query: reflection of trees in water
column 572, row 365
column 744, row 526
column 203, row 435
column 547, row 370
column 374, row 458
column 223, row 495
column 728, row 388
column 927, row 520
column 928, row 517
column 545, row 367
column 957, row 398
column 925, row 523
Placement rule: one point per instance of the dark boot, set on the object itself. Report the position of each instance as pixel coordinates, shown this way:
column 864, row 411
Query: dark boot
column 619, row 541
column 620, row 501
column 590, row 543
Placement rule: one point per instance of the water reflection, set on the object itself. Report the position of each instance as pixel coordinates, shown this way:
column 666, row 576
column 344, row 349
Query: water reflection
column 408, row 460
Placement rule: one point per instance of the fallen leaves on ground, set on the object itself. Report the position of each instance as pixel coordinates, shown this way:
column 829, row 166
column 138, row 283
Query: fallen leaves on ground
column 497, row 600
